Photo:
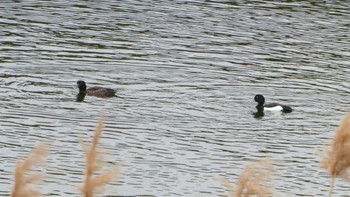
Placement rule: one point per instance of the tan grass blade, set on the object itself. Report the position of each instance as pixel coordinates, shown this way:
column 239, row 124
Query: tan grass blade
column 91, row 182
column 331, row 187
column 336, row 160
column 22, row 182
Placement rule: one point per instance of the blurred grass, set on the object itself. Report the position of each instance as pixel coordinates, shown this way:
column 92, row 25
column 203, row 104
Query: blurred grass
column 336, row 159
column 251, row 182
column 93, row 164
column 23, row 175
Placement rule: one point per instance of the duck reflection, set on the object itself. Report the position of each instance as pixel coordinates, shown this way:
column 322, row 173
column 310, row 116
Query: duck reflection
column 259, row 114
column 80, row 97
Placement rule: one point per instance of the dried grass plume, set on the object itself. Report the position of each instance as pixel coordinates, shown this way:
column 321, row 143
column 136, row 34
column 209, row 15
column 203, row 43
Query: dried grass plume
column 91, row 182
column 252, row 181
column 22, row 181
column 336, row 160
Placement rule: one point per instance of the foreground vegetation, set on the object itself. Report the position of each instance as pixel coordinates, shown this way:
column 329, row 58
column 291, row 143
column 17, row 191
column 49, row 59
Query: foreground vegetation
column 251, row 182
column 91, row 183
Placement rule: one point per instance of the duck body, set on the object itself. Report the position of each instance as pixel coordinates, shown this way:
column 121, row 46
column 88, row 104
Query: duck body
column 95, row 91
column 262, row 106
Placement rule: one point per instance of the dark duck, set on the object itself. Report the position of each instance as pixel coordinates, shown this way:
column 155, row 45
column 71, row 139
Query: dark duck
column 95, row 91
column 262, row 106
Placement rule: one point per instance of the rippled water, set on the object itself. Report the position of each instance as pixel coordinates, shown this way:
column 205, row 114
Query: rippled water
column 186, row 74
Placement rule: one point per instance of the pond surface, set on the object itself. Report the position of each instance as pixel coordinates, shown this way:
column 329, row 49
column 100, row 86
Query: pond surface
column 186, row 73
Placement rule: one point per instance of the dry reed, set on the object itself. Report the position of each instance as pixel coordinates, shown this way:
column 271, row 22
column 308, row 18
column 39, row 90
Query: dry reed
column 336, row 160
column 21, row 186
column 91, row 182
column 252, row 181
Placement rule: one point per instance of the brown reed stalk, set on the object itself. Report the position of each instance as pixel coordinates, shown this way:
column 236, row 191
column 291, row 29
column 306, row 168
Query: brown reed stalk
column 251, row 181
column 92, row 165
column 21, row 186
column 336, row 160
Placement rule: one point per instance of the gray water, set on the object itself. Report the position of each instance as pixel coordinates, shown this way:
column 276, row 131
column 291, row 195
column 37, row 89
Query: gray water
column 186, row 73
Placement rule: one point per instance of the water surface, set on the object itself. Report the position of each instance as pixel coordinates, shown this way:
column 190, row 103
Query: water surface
column 186, row 73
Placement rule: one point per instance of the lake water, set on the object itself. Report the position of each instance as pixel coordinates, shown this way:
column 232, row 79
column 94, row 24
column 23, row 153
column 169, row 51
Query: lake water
column 186, row 73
